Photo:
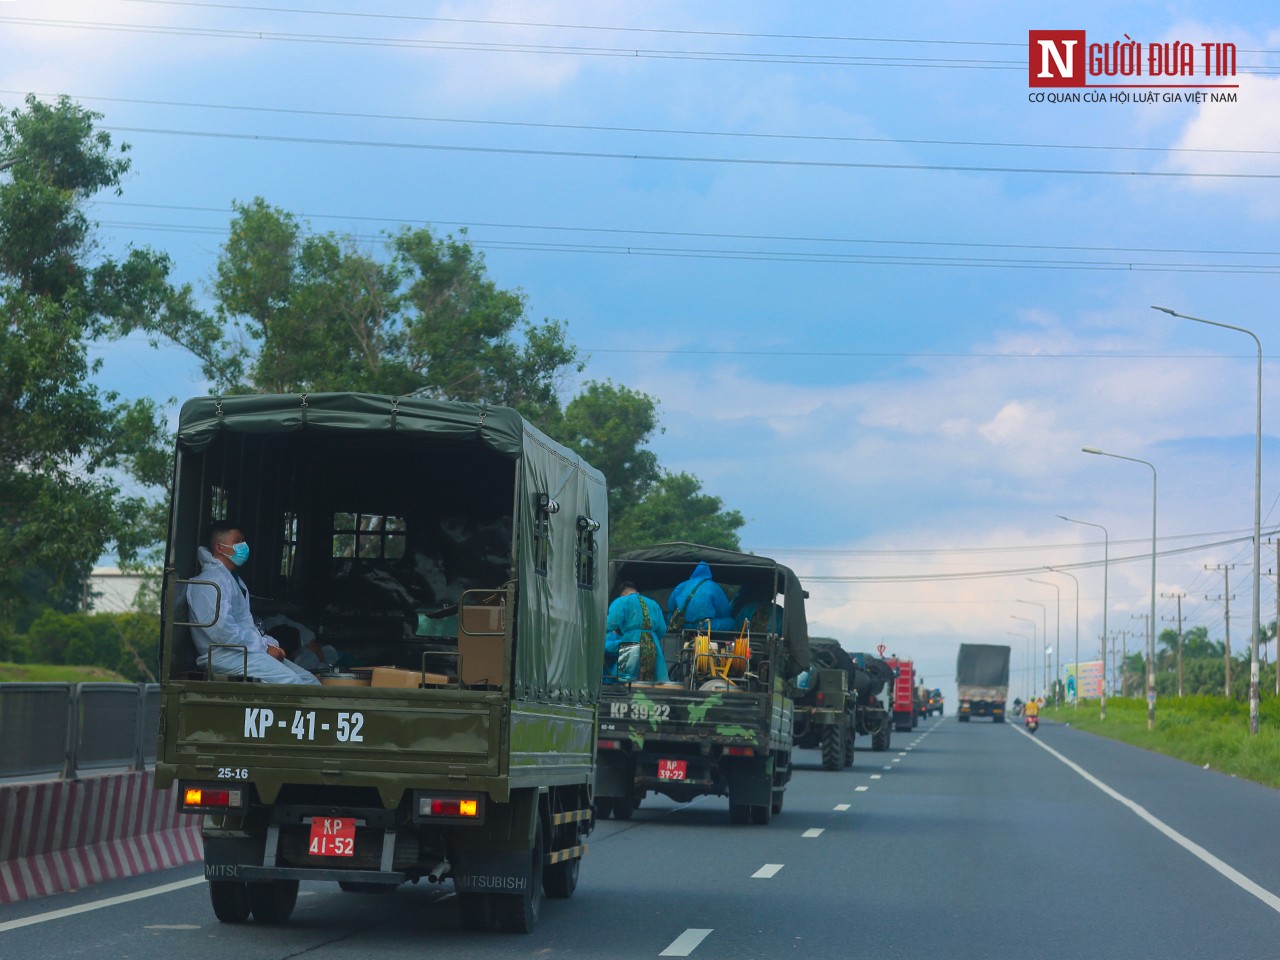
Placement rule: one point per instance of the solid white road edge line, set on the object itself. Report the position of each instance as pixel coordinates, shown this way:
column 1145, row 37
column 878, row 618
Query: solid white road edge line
column 685, row 944
column 99, row 904
column 1231, row 873
column 767, row 871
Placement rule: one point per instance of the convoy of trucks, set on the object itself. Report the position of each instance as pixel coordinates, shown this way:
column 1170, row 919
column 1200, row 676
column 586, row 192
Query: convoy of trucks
column 458, row 559
column 982, row 681
column 459, row 556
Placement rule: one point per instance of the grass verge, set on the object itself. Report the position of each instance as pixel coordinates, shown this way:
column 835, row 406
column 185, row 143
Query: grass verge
column 1208, row 731
column 54, row 673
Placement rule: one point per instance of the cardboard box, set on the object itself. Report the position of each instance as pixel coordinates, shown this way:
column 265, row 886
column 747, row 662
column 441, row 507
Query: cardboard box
column 481, row 660
column 482, row 618
column 399, row 677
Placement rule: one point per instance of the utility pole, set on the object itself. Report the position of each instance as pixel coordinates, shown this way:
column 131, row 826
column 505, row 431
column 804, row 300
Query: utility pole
column 1178, row 597
column 1226, row 597
column 1146, row 638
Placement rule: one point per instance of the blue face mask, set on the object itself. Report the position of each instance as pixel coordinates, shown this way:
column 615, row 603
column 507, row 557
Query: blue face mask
column 239, row 553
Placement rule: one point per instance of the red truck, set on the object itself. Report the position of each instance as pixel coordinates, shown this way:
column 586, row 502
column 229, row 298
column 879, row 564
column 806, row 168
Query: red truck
column 904, row 686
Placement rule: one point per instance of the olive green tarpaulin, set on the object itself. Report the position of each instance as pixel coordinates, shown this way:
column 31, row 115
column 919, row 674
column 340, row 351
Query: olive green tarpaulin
column 664, row 565
column 559, row 623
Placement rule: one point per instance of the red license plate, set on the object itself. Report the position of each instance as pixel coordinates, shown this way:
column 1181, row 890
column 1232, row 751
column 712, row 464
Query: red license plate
column 333, row 837
column 672, row 769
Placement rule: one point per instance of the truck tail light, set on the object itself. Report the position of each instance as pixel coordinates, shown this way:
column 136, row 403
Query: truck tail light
column 740, row 751
column 821, row 698
column 609, row 744
column 465, row 807
column 202, row 799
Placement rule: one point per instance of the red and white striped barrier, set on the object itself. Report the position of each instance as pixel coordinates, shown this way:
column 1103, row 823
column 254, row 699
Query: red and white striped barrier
column 61, row 835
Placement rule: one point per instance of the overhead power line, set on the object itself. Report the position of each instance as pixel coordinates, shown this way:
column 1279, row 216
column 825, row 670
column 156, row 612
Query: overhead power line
column 1020, row 571
column 656, row 131
column 685, row 158
column 822, row 59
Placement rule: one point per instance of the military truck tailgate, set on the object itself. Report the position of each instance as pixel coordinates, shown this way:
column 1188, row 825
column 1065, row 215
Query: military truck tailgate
column 675, row 714
column 270, row 737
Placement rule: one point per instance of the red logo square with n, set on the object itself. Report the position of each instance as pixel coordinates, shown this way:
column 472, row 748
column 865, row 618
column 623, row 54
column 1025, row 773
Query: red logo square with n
column 1055, row 58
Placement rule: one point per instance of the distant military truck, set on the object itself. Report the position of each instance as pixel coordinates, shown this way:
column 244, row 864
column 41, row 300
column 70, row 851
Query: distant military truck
column 723, row 725
column 982, row 681
column 873, row 712
column 825, row 703
column 922, row 701
column 935, row 702
column 455, row 556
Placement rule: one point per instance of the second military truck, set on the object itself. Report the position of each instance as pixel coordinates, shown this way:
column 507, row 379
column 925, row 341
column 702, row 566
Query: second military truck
column 723, row 725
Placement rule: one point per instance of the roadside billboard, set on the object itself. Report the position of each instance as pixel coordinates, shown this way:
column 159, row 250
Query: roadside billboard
column 1084, row 680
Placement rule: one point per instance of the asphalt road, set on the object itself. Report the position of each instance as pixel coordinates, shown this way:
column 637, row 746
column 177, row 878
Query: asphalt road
column 964, row 840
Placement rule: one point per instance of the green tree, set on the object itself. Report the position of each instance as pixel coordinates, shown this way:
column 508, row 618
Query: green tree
column 319, row 314
column 66, row 447
column 608, row 425
column 676, row 509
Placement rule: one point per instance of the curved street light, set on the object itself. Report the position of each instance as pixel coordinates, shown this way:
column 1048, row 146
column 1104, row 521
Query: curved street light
column 1257, row 522
column 1030, row 672
column 1076, row 702
column 1151, row 651
column 1106, row 569
column 1057, row 645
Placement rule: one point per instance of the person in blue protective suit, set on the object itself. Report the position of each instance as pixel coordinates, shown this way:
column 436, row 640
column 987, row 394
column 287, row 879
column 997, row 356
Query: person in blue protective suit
column 698, row 600
column 230, row 621
column 633, row 638
column 760, row 615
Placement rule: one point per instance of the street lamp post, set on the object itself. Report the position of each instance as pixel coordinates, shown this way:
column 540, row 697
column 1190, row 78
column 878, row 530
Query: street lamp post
column 1057, row 646
column 1257, row 520
column 1044, row 634
column 1026, row 646
column 1106, row 566
column 1151, row 654
column 1030, row 669
column 1076, row 701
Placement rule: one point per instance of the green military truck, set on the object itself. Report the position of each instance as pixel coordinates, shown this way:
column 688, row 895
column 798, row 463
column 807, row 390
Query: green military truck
column 825, row 703
column 873, row 712
column 723, row 725
column 455, row 556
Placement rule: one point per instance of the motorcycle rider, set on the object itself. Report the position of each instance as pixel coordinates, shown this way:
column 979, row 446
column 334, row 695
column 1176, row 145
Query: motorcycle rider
column 1031, row 710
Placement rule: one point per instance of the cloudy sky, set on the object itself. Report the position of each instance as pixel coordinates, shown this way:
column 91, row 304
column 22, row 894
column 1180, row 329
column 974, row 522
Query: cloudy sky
column 882, row 296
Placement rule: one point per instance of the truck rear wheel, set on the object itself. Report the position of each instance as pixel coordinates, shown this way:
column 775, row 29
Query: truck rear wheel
column 623, row 809
column 761, row 814
column 561, row 879
column 776, row 805
column 739, row 813
column 230, row 899
column 880, row 739
column 604, row 807
column 848, row 745
column 272, row 901
column 518, row 912
column 832, row 749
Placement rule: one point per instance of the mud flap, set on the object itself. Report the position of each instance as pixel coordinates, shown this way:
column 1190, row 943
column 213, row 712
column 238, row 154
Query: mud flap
column 224, row 856
column 495, row 858
column 750, row 781
column 615, row 774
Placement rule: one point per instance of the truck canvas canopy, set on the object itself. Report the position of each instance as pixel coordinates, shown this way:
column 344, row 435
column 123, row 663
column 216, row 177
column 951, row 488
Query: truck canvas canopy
column 656, row 569
column 387, row 511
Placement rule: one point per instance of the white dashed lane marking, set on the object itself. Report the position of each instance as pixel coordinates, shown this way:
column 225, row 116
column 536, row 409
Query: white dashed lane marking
column 685, row 944
column 861, row 789
column 767, row 871
column 812, row 832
